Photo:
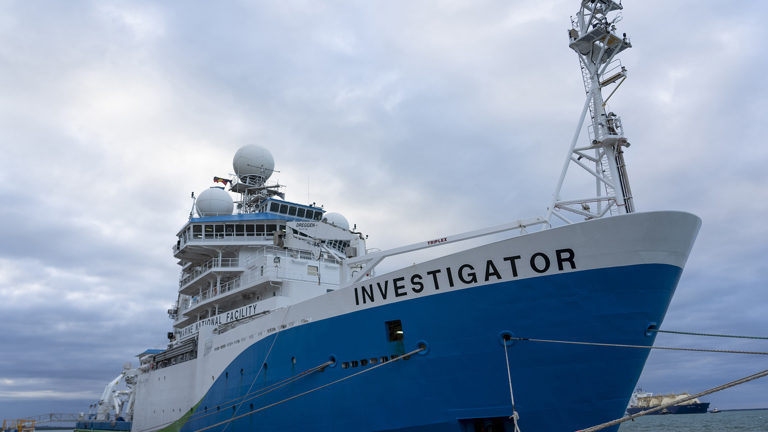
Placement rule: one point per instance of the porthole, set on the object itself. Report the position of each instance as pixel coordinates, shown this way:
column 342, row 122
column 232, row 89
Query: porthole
column 345, row 365
column 364, row 362
column 354, row 363
column 384, row 359
column 374, row 360
column 392, row 357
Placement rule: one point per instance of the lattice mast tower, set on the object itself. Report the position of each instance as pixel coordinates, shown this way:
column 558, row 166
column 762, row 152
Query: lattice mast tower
column 593, row 37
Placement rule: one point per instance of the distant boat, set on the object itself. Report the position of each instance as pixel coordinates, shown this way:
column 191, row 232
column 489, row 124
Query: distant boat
column 644, row 401
column 715, row 411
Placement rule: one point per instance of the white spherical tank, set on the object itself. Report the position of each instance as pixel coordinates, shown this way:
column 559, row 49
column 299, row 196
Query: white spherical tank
column 215, row 202
column 253, row 164
column 336, row 219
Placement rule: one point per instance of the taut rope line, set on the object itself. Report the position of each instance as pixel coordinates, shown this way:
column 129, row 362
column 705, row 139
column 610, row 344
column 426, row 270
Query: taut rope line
column 697, row 395
column 642, row 346
column 308, row 391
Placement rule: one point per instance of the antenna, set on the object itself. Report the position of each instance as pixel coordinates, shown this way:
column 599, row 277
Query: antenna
column 192, row 211
column 593, row 39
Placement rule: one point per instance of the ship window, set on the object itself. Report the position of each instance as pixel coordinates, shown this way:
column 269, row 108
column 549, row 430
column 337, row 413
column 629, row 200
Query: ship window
column 318, row 215
column 209, row 231
column 292, row 211
column 249, row 230
column 394, row 330
column 364, row 362
column 240, row 230
column 271, row 228
column 274, row 207
column 260, row 229
column 374, row 360
column 354, row 363
column 283, row 208
column 219, row 230
column 345, row 365
column 312, row 270
column 300, row 212
column 229, row 230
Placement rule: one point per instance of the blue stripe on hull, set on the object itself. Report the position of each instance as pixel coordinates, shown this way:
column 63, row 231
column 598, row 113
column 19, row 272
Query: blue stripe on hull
column 557, row 387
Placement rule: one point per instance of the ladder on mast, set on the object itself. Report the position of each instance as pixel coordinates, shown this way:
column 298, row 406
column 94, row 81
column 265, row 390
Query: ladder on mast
column 593, row 38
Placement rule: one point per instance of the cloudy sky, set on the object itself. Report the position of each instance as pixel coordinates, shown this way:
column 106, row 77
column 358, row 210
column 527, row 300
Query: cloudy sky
column 413, row 119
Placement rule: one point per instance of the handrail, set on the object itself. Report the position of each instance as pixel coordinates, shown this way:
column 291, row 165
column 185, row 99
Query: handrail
column 273, row 272
column 208, row 266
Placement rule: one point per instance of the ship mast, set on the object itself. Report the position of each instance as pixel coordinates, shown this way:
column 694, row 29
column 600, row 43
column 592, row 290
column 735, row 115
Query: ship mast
column 593, row 37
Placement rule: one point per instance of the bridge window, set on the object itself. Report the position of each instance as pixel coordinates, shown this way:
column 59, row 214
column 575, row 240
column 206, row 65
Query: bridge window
column 197, row 231
column 275, row 207
column 300, row 212
column 240, row 230
column 209, row 231
column 271, row 228
column 283, row 208
column 219, row 231
column 229, row 230
column 260, row 230
column 249, row 230
column 292, row 211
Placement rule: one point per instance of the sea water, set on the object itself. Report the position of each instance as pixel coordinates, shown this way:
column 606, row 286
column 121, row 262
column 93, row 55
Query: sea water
column 747, row 421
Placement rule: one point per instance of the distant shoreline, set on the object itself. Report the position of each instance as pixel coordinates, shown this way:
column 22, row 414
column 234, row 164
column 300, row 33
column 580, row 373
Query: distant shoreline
column 744, row 409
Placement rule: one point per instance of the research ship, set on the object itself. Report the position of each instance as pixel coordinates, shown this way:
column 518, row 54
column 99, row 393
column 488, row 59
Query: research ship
column 283, row 323
column 644, row 401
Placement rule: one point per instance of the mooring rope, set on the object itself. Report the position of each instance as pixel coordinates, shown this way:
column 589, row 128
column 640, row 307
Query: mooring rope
column 264, row 363
column 515, row 415
column 643, row 346
column 707, row 334
column 310, row 391
column 697, row 395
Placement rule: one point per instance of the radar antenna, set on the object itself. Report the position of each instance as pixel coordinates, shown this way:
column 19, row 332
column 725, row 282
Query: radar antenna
column 592, row 36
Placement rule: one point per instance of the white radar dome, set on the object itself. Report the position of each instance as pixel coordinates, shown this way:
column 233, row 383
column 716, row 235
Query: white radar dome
column 336, row 219
column 215, row 202
column 253, row 164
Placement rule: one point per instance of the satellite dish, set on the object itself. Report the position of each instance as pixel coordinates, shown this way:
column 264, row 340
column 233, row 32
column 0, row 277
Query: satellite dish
column 336, row 219
column 215, row 202
column 253, row 164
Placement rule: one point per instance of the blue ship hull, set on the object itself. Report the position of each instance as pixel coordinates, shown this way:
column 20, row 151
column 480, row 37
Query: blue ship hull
column 461, row 382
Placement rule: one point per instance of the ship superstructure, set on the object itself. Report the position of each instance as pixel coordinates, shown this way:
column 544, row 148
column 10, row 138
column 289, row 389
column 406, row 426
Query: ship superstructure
column 282, row 323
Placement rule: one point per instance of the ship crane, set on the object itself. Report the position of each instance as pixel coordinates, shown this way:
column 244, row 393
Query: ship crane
column 594, row 39
column 121, row 401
